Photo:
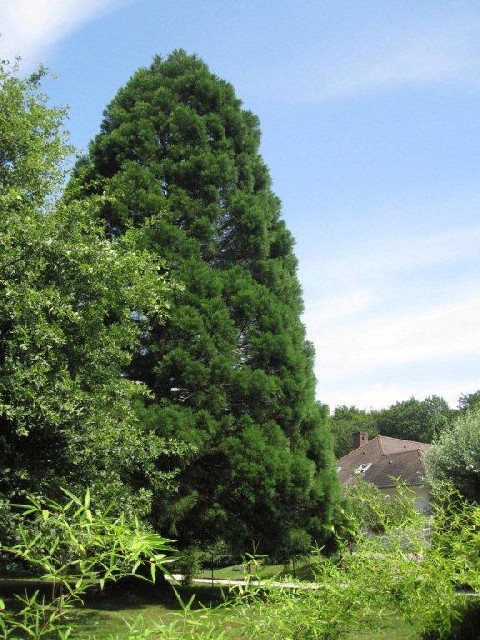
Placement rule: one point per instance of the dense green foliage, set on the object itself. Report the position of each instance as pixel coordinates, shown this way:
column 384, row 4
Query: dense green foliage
column 407, row 572
column 33, row 143
column 230, row 372
column 367, row 508
column 66, row 325
column 420, row 420
column 413, row 572
column 455, row 455
column 469, row 401
column 345, row 422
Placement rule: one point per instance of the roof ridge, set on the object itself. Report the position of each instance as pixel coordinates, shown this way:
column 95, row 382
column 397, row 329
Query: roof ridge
column 422, row 444
column 402, row 453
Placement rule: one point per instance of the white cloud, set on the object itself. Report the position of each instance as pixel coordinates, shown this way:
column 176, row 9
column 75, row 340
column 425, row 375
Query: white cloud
column 434, row 57
column 29, row 27
column 393, row 253
column 401, row 309
column 444, row 332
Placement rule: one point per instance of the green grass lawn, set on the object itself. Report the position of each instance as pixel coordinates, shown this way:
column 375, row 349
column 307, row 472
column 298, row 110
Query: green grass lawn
column 105, row 623
column 111, row 620
column 394, row 629
column 239, row 572
column 108, row 615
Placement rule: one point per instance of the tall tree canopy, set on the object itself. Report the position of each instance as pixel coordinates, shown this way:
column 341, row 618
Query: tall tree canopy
column 66, row 325
column 469, row 401
column 421, row 420
column 231, row 371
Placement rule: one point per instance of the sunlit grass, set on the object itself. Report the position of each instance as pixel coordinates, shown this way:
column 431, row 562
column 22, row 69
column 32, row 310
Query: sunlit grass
column 394, row 629
column 110, row 617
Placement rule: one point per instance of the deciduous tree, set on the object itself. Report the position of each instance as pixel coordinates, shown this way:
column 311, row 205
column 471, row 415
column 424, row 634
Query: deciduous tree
column 345, row 422
column 421, row 420
column 469, row 401
column 72, row 309
column 455, row 455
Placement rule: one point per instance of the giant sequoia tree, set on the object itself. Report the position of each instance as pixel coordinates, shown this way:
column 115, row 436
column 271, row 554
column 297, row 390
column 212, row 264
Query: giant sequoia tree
column 231, row 371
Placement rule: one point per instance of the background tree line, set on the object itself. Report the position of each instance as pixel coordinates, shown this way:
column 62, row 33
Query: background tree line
column 419, row 420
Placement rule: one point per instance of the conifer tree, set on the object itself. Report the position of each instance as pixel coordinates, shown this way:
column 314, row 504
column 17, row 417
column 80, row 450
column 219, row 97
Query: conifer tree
column 230, row 372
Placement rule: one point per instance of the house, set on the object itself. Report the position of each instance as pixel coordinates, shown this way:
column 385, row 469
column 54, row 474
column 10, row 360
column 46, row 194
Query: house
column 384, row 460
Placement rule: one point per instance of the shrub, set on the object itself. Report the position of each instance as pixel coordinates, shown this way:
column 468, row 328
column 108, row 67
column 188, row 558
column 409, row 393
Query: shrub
column 74, row 548
column 188, row 564
column 367, row 509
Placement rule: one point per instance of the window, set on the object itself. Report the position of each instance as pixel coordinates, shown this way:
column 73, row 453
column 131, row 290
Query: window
column 363, row 468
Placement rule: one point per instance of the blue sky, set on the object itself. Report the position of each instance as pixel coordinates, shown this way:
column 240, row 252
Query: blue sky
column 371, row 127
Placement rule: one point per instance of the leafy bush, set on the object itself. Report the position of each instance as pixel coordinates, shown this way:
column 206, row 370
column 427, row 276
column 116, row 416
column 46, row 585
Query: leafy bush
column 74, row 549
column 464, row 623
column 455, row 456
column 188, row 564
column 366, row 508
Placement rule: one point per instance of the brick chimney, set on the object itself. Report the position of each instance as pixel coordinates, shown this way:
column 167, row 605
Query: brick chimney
column 359, row 439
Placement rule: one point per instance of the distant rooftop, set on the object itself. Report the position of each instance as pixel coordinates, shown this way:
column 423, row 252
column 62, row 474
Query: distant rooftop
column 382, row 460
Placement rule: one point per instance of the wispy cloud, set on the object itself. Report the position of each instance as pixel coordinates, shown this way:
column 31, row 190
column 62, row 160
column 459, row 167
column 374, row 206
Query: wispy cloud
column 426, row 58
column 402, row 325
column 399, row 310
column 373, row 62
column 30, row 27
column 383, row 341
column 397, row 253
